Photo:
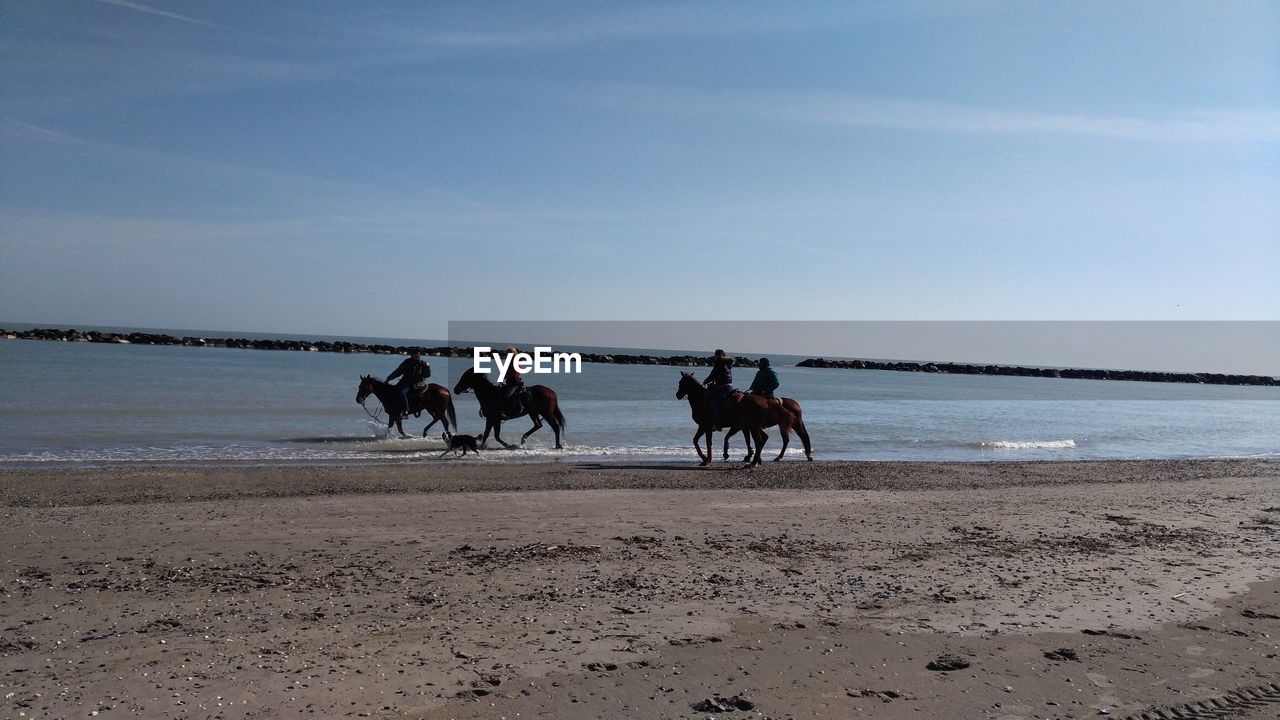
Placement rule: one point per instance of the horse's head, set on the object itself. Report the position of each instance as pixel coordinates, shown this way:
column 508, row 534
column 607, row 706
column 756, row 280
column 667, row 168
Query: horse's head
column 688, row 384
column 465, row 381
column 366, row 388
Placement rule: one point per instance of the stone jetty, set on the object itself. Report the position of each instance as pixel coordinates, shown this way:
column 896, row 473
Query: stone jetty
column 143, row 338
column 1077, row 373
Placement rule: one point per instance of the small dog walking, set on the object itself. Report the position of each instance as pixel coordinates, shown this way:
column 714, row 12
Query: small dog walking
column 454, row 443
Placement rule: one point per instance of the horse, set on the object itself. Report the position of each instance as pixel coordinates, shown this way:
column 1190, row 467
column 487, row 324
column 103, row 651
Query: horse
column 749, row 413
column 435, row 400
column 542, row 405
column 797, row 424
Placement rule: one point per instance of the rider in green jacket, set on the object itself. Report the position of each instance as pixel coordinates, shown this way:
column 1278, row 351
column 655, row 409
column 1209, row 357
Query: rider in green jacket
column 766, row 380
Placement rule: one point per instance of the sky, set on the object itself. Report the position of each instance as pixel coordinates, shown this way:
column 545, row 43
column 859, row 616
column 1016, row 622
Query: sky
column 379, row 169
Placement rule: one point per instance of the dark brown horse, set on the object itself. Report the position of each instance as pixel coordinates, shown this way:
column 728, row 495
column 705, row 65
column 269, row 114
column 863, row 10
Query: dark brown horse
column 749, row 413
column 542, row 405
column 797, row 424
column 435, row 400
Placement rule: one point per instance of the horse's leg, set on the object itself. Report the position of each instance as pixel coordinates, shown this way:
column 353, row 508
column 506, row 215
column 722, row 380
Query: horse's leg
column 497, row 435
column 488, row 427
column 762, row 437
column 710, row 435
column 437, row 415
column 698, row 446
column 733, row 430
column 746, row 437
column 786, row 439
column 434, row 420
column 537, row 425
column 399, row 426
column 556, row 428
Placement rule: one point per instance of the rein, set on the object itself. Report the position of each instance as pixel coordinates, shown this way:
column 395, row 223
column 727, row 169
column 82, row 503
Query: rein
column 376, row 416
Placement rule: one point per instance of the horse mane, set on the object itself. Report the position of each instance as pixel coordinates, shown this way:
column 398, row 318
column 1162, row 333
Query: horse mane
column 692, row 381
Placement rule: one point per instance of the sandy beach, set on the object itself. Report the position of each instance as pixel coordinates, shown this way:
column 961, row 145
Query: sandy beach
column 562, row 590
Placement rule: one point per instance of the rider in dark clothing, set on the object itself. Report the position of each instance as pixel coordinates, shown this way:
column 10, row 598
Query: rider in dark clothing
column 513, row 381
column 766, row 380
column 721, row 383
column 413, row 374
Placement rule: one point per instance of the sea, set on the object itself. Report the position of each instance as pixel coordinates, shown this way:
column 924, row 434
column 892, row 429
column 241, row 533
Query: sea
column 66, row 404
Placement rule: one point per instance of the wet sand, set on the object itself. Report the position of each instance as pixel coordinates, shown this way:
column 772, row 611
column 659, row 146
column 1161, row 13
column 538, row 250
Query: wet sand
column 478, row 590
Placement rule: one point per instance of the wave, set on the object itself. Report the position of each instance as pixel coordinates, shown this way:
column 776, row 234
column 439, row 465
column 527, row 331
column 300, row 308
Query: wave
column 1026, row 444
column 340, row 450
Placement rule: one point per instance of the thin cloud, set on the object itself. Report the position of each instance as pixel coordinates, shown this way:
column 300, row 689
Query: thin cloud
column 1199, row 126
column 163, row 13
column 630, row 24
column 1248, row 125
column 17, row 128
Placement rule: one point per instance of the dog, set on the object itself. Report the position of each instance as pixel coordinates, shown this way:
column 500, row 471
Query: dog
column 454, row 443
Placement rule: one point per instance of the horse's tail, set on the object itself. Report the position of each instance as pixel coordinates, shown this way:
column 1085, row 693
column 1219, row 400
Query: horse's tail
column 801, row 430
column 560, row 417
column 448, row 408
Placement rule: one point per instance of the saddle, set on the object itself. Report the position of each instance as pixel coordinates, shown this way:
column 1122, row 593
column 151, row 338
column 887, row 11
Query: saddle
column 727, row 405
column 417, row 400
column 518, row 404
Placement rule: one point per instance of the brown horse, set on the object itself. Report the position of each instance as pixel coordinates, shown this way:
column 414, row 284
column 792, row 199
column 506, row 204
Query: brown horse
column 435, row 400
column 797, row 424
column 543, row 405
column 749, row 413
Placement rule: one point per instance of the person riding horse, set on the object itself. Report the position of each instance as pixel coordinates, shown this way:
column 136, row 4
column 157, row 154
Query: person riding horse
column 513, row 384
column 720, row 381
column 765, row 382
column 413, row 374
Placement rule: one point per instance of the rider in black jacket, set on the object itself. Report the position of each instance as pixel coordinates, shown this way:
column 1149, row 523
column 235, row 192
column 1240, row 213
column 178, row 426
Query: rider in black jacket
column 720, row 381
column 413, row 374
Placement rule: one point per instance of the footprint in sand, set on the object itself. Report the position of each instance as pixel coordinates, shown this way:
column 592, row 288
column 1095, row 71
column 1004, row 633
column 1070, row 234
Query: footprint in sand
column 1195, row 650
column 1200, row 673
column 1098, row 679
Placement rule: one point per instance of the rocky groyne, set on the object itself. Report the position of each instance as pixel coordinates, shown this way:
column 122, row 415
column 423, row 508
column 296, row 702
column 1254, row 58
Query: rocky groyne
column 1076, row 373
column 342, row 346
column 142, row 338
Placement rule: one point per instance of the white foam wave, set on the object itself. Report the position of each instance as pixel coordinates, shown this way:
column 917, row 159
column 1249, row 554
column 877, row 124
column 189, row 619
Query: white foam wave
column 1026, row 444
column 374, row 450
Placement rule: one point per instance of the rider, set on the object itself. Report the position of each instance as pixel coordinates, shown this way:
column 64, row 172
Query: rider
column 766, row 380
column 721, row 383
column 513, row 381
column 413, row 374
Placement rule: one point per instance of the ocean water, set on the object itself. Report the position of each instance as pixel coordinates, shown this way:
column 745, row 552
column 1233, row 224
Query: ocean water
column 88, row 404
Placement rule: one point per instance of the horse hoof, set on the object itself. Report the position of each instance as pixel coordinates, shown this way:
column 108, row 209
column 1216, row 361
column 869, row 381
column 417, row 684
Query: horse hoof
column 704, row 463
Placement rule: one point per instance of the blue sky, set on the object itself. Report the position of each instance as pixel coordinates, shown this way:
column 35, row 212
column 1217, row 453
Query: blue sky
column 380, row 169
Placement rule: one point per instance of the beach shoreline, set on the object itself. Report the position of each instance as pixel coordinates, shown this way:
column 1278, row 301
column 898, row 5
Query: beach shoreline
column 131, row 483
column 573, row 591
